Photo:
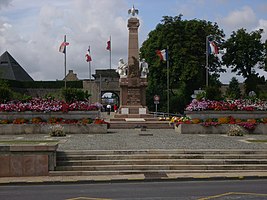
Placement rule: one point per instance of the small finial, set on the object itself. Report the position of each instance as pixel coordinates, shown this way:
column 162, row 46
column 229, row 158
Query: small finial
column 133, row 11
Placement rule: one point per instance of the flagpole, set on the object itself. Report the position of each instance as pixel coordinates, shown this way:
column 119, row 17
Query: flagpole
column 168, row 83
column 207, row 60
column 65, row 61
column 90, row 74
column 110, row 53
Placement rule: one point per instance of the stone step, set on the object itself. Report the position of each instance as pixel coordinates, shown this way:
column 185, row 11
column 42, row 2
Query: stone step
column 161, row 162
column 159, row 156
column 146, row 172
column 147, row 124
column 163, row 167
column 162, row 151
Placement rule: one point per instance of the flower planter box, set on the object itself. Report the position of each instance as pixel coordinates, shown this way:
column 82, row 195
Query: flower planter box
column 220, row 129
column 234, row 114
column 12, row 129
column 46, row 115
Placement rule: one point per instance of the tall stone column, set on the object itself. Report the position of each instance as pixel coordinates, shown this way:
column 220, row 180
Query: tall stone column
column 133, row 87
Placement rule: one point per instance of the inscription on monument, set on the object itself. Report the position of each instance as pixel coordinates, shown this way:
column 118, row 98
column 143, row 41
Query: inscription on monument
column 133, row 96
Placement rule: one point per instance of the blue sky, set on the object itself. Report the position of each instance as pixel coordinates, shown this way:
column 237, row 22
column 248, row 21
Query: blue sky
column 32, row 30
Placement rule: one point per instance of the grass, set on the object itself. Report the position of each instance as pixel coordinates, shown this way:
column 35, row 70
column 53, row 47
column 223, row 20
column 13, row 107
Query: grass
column 36, row 142
column 259, row 141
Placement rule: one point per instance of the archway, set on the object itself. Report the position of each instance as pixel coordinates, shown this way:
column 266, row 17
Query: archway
column 110, row 97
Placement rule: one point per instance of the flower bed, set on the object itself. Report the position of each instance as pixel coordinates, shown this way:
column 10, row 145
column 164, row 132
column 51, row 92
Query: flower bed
column 219, row 125
column 41, row 126
column 48, row 105
column 230, row 105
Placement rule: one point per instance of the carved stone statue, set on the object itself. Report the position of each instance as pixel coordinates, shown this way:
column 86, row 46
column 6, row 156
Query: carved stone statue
column 133, row 11
column 144, row 68
column 122, row 68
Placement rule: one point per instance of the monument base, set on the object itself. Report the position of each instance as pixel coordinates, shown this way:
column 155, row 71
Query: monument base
column 133, row 112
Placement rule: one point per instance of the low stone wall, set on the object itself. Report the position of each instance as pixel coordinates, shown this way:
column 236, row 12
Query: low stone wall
column 235, row 114
column 66, row 115
column 27, row 160
column 219, row 129
column 12, row 129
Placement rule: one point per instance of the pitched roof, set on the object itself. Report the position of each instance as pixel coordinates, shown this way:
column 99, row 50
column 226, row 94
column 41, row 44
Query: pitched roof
column 10, row 69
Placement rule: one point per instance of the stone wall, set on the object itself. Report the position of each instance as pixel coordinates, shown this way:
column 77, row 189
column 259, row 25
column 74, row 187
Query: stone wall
column 66, row 115
column 219, row 129
column 234, row 114
column 27, row 160
column 17, row 129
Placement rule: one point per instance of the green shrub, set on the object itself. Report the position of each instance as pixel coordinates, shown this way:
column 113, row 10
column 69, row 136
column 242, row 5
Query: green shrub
column 73, row 94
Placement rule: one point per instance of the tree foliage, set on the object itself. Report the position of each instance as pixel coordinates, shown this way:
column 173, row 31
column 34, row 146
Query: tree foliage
column 233, row 91
column 186, row 41
column 245, row 52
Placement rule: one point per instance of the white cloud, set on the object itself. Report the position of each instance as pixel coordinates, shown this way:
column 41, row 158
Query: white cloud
column 243, row 18
column 263, row 25
column 34, row 40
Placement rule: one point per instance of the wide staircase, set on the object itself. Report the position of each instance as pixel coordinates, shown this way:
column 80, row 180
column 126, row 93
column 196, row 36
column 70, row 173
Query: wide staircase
column 126, row 162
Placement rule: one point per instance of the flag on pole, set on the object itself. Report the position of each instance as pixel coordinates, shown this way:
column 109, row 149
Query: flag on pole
column 109, row 45
column 62, row 47
column 88, row 56
column 213, row 48
column 163, row 54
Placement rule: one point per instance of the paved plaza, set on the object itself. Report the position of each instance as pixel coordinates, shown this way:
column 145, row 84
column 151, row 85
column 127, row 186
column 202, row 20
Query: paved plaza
column 123, row 139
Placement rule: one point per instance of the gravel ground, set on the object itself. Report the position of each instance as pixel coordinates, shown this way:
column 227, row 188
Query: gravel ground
column 149, row 139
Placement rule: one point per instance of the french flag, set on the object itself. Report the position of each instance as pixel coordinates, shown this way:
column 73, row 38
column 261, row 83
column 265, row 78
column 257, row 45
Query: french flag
column 163, row 54
column 213, row 48
column 88, row 56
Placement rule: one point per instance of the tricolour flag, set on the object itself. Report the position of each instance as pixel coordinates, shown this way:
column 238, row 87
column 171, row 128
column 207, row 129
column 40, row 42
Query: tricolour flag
column 163, row 54
column 62, row 47
column 213, row 48
column 88, row 56
column 108, row 45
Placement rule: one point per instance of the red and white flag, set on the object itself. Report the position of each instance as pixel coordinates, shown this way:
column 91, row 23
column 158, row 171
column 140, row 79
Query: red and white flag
column 88, row 56
column 62, row 47
column 109, row 45
column 163, row 54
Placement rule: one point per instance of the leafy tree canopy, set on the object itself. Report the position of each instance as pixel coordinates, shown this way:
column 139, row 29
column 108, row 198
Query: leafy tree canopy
column 186, row 41
column 245, row 52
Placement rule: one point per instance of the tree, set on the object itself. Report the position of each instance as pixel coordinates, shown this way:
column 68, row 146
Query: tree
column 233, row 91
column 245, row 53
column 186, row 40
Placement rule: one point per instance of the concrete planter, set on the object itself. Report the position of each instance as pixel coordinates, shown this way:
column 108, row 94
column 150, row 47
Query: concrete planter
column 27, row 160
column 234, row 114
column 66, row 115
column 11, row 129
column 220, row 129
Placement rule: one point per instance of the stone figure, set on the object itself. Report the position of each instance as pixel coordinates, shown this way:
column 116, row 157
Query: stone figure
column 133, row 11
column 144, row 68
column 122, row 68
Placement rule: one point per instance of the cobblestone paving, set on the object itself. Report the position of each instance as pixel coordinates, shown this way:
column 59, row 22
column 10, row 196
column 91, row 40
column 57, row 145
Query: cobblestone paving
column 149, row 139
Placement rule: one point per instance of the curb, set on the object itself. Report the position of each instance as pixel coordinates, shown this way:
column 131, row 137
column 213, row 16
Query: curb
column 121, row 180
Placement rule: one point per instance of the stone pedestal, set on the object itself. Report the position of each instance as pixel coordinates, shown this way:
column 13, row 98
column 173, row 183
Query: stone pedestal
column 133, row 87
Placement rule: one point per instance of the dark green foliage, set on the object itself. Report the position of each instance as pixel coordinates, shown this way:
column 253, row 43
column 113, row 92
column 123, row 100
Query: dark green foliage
column 213, row 93
column 73, row 94
column 233, row 91
column 245, row 53
column 5, row 92
column 186, row 40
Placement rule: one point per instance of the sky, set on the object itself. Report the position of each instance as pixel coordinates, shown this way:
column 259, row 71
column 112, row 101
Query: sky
column 32, row 30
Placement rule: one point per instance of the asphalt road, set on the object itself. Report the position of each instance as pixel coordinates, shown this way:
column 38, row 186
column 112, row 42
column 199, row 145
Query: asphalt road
column 197, row 190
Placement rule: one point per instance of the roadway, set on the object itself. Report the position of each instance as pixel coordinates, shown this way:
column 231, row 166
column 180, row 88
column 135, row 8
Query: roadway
column 167, row 190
